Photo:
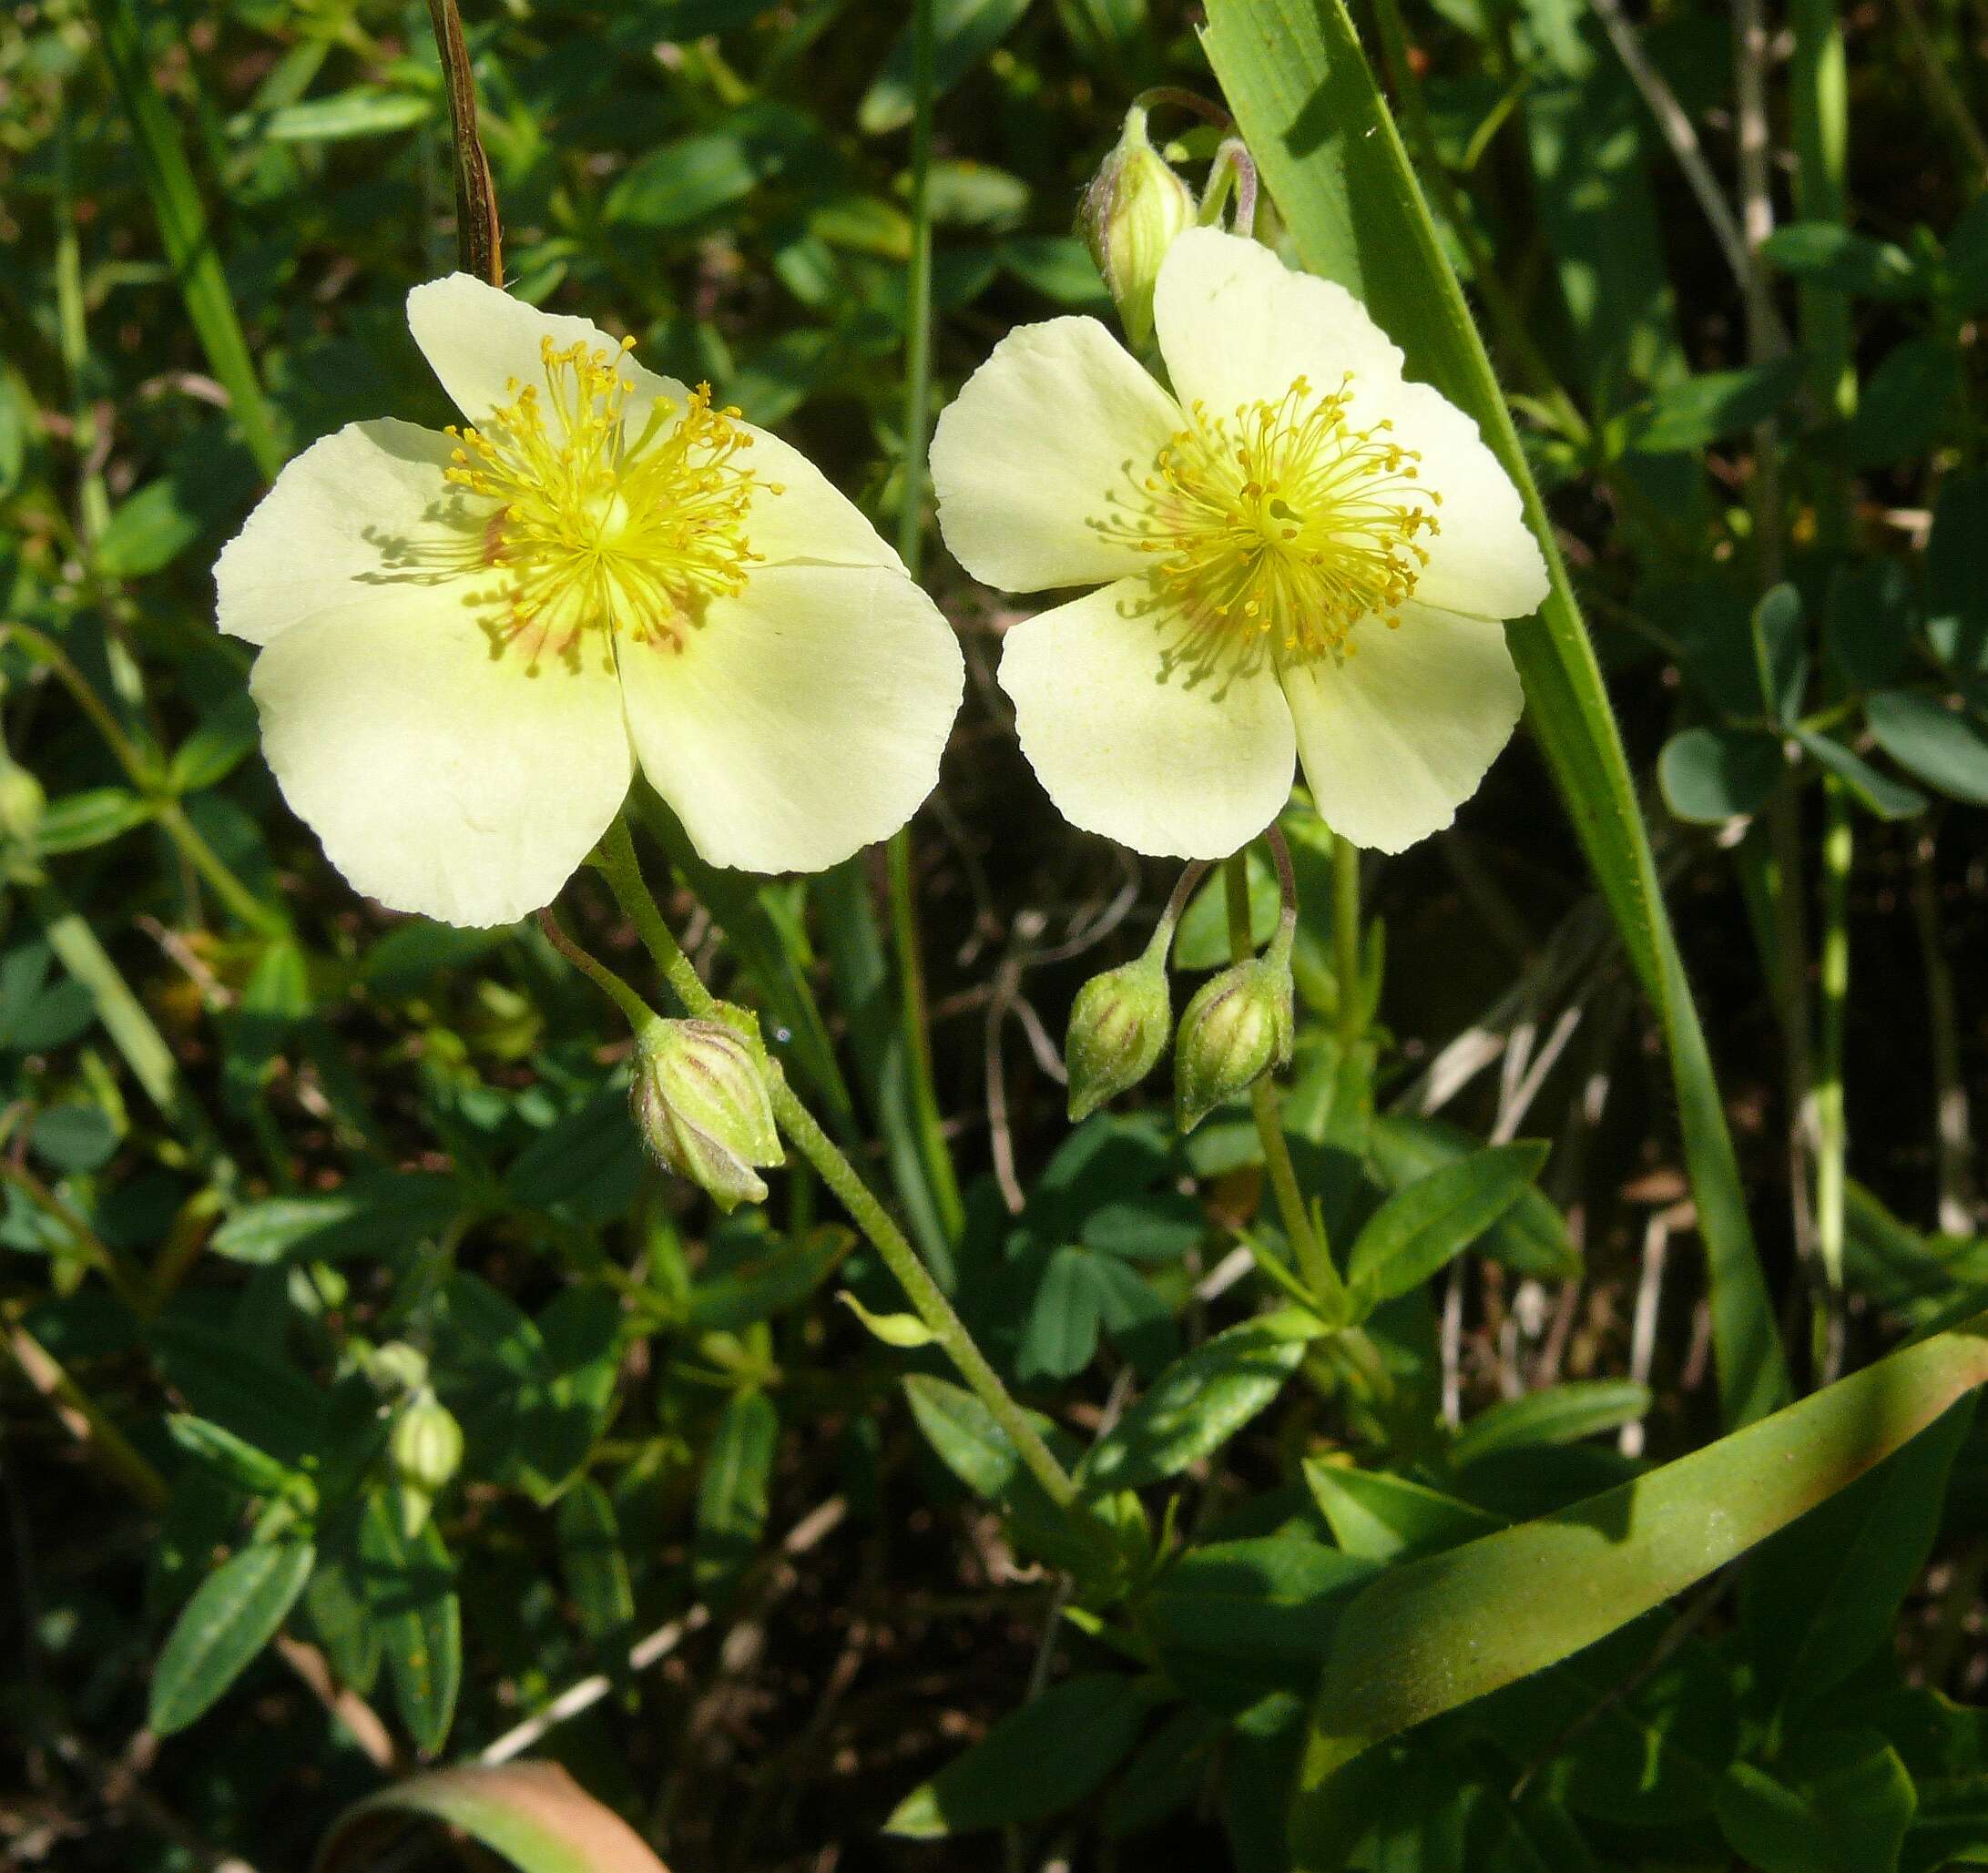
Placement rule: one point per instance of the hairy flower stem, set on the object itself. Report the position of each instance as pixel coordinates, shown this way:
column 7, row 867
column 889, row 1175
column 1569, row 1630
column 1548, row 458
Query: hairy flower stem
column 1346, row 941
column 1307, row 1241
column 619, row 864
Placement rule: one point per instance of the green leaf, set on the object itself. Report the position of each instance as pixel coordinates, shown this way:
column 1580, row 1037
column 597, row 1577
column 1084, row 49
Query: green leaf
column 1431, row 1635
column 1713, row 406
column 1425, row 1226
column 732, row 1492
column 233, row 1459
column 78, row 821
column 1823, row 1595
column 191, row 248
column 963, row 33
column 1059, row 266
column 233, row 1615
column 1531, row 1238
column 1036, row 1761
column 1829, row 254
column 1559, row 1414
column 1877, row 792
column 681, row 183
column 74, row 1137
column 968, row 1441
column 1307, row 104
column 533, row 1814
column 1059, row 1333
column 768, row 1285
column 1903, row 409
column 1946, row 750
column 1847, row 1817
column 590, row 1556
column 364, row 110
column 1195, row 1405
column 410, row 1587
column 377, row 1213
column 1380, row 1517
column 1274, row 1600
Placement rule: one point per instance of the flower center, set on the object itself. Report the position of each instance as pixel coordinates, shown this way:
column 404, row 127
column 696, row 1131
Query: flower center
column 1278, row 529
column 595, row 529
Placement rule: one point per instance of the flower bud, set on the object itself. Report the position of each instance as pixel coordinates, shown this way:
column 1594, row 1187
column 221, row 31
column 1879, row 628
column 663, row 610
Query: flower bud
column 425, row 1450
column 1236, row 1029
column 701, row 1104
column 21, row 803
column 426, row 1446
column 397, row 1366
column 1134, row 210
column 1118, row 1028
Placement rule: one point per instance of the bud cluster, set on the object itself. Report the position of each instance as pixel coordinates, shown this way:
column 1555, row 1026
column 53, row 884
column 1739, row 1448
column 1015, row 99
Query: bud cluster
column 1237, row 1027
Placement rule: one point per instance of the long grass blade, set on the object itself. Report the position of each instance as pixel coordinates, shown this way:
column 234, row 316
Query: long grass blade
column 1308, row 107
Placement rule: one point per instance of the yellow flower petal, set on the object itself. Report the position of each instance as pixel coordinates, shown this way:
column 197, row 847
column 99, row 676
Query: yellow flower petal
column 1174, row 768
column 1398, row 736
column 809, row 520
column 800, row 720
column 1482, row 560
column 441, row 779
column 477, row 338
column 358, row 514
column 1236, row 324
column 1027, row 457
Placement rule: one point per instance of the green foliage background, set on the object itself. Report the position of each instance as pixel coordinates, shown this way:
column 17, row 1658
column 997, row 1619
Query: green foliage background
column 255, row 1129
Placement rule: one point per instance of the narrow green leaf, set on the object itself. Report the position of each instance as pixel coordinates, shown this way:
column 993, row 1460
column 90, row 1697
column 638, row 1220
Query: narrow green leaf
column 1530, row 1237
column 231, row 1458
column 1877, row 792
column 533, row 1814
column 1560, row 1414
column 410, row 1586
column 1036, row 1761
column 1712, row 406
column 1195, row 1405
column 733, row 1490
column 901, row 1331
column 233, row 1615
column 1423, row 1227
column 1822, row 1595
column 590, row 1556
column 1434, row 1633
column 1330, row 153
column 363, row 111
column 184, row 230
column 1388, row 1518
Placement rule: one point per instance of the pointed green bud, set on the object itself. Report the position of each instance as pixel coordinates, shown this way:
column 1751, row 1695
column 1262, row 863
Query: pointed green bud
column 1118, row 1028
column 701, row 1106
column 1237, row 1029
column 425, row 1450
column 1134, row 210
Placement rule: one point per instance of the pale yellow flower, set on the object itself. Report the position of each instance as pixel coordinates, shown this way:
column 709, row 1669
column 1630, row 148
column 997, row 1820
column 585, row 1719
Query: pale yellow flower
column 1299, row 556
column 471, row 640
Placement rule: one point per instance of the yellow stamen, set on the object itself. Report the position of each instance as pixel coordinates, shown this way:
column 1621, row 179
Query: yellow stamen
column 1277, row 529
column 595, row 529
